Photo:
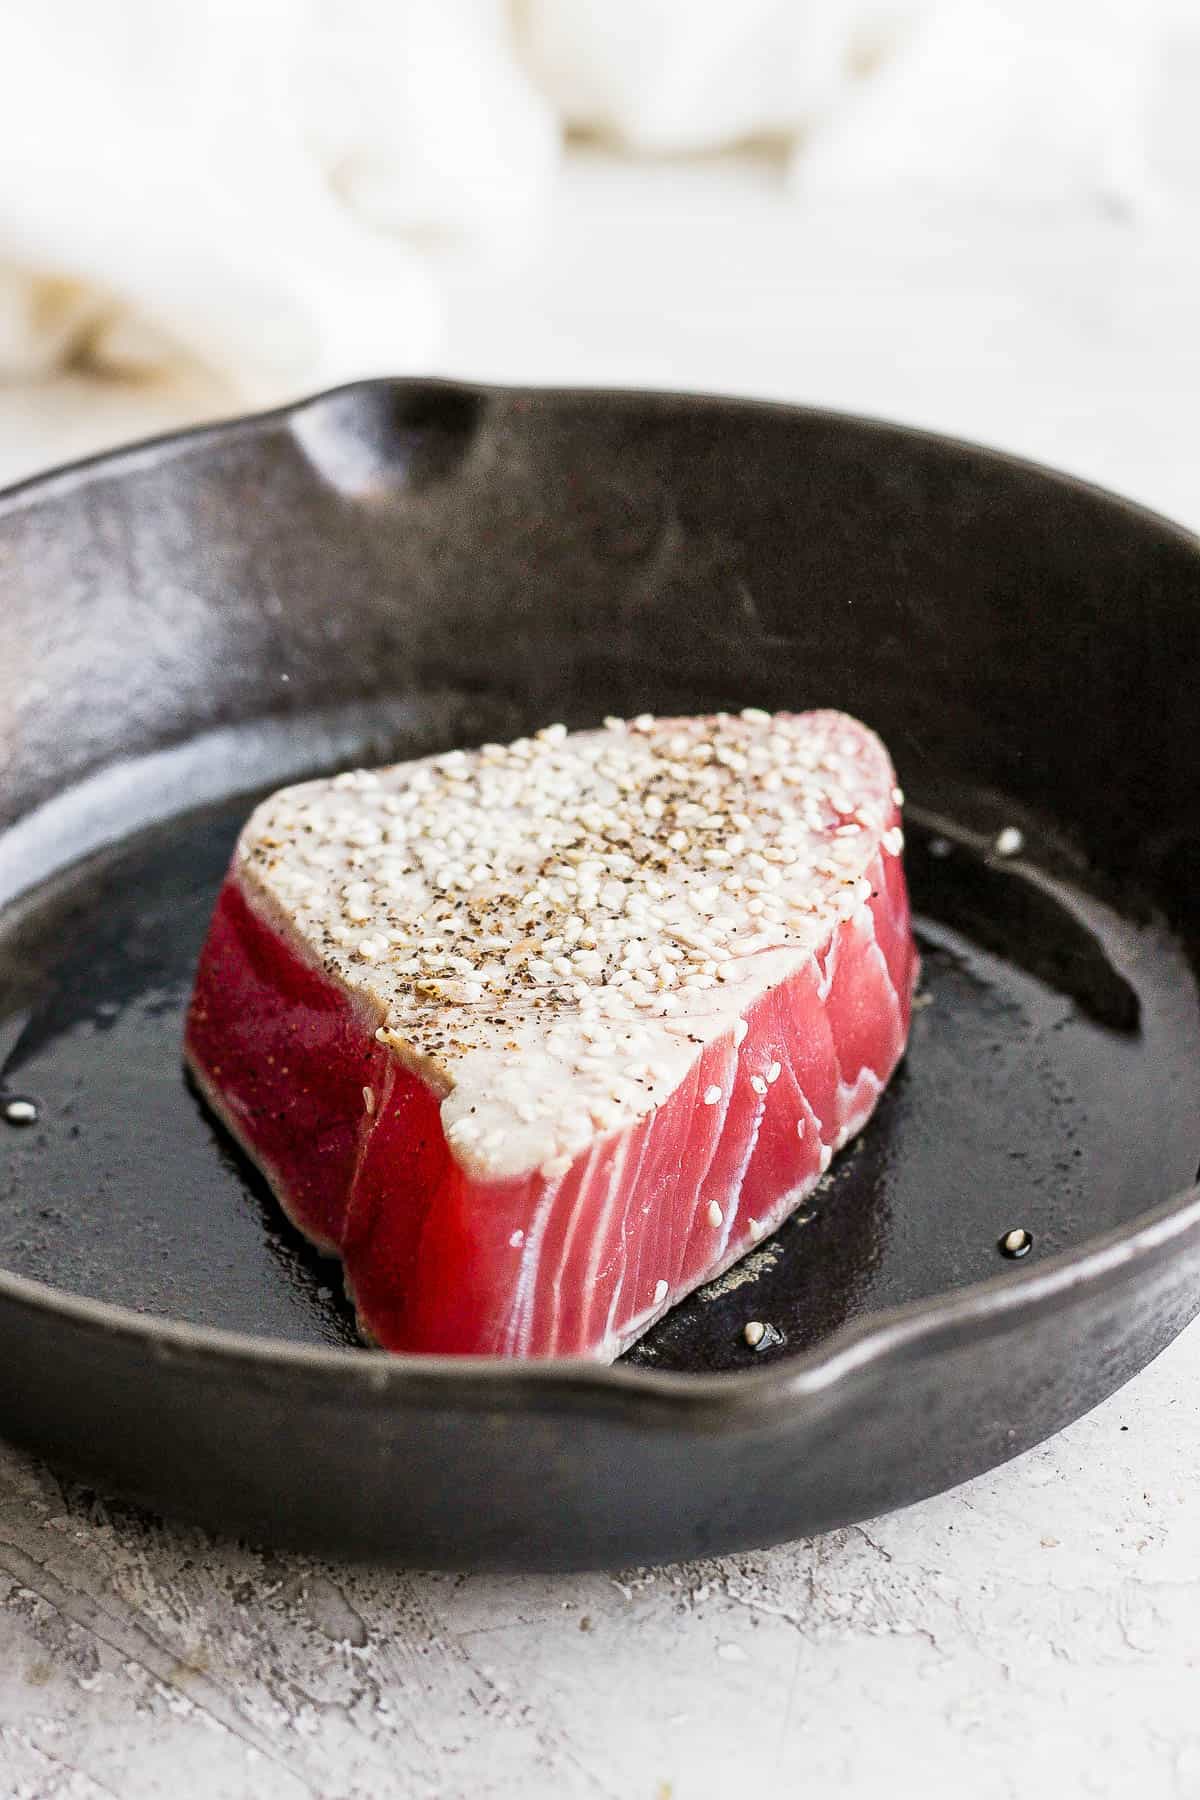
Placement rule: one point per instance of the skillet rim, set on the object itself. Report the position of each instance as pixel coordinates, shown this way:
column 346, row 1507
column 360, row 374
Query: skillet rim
column 67, row 475
column 900, row 1335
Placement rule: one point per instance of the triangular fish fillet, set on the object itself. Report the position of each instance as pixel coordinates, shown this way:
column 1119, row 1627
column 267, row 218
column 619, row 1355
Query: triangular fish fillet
column 539, row 1037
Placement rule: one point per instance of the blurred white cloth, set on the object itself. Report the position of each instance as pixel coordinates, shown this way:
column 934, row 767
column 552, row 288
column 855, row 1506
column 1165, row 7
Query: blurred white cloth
column 255, row 183
column 1026, row 103
column 271, row 189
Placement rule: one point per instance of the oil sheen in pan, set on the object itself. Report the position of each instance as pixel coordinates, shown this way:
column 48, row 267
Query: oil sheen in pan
column 1033, row 1096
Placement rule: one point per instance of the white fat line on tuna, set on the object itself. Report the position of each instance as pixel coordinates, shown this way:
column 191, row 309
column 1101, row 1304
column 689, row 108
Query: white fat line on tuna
column 649, row 1127
column 629, row 1180
column 694, row 1081
column 901, row 1026
column 826, row 973
column 856, row 1103
column 861, row 929
column 897, row 1010
column 700, row 1083
column 729, row 1075
column 808, row 1126
column 810, row 1121
column 646, row 1316
column 562, row 1261
column 640, row 1321
column 591, row 1278
column 785, row 1207
column 631, row 1272
column 618, row 1290
column 735, row 1186
column 835, row 1124
column 520, row 1318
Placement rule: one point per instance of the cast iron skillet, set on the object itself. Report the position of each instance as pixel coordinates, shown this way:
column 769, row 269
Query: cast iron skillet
column 401, row 566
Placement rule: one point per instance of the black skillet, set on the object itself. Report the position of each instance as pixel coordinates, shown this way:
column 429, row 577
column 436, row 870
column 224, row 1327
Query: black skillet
column 403, row 566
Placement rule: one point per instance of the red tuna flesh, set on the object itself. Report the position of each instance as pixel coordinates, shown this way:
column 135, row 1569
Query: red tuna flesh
column 508, row 1033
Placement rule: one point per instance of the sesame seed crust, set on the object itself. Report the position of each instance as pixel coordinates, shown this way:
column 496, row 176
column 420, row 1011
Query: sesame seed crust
column 549, row 931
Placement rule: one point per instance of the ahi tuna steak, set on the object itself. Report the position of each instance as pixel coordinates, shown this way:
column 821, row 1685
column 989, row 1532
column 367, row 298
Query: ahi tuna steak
column 536, row 1038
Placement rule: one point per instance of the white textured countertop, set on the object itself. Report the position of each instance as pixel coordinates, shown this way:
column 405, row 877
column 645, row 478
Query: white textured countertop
column 1036, row 1631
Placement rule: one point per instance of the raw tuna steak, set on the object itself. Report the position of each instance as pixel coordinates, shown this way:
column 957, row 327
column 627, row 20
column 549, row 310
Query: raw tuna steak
column 537, row 1038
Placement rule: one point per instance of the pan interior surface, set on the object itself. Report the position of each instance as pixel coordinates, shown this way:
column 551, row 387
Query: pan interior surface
column 1052, row 1086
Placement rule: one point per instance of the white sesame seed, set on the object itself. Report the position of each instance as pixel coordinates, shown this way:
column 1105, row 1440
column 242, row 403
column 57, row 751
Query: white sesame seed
column 774, row 1071
column 740, row 1029
column 661, row 1290
column 516, row 1240
column 754, row 1331
column 369, row 1100
column 715, row 1216
column 712, row 1095
column 754, row 715
column 758, row 1084
column 1010, row 841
